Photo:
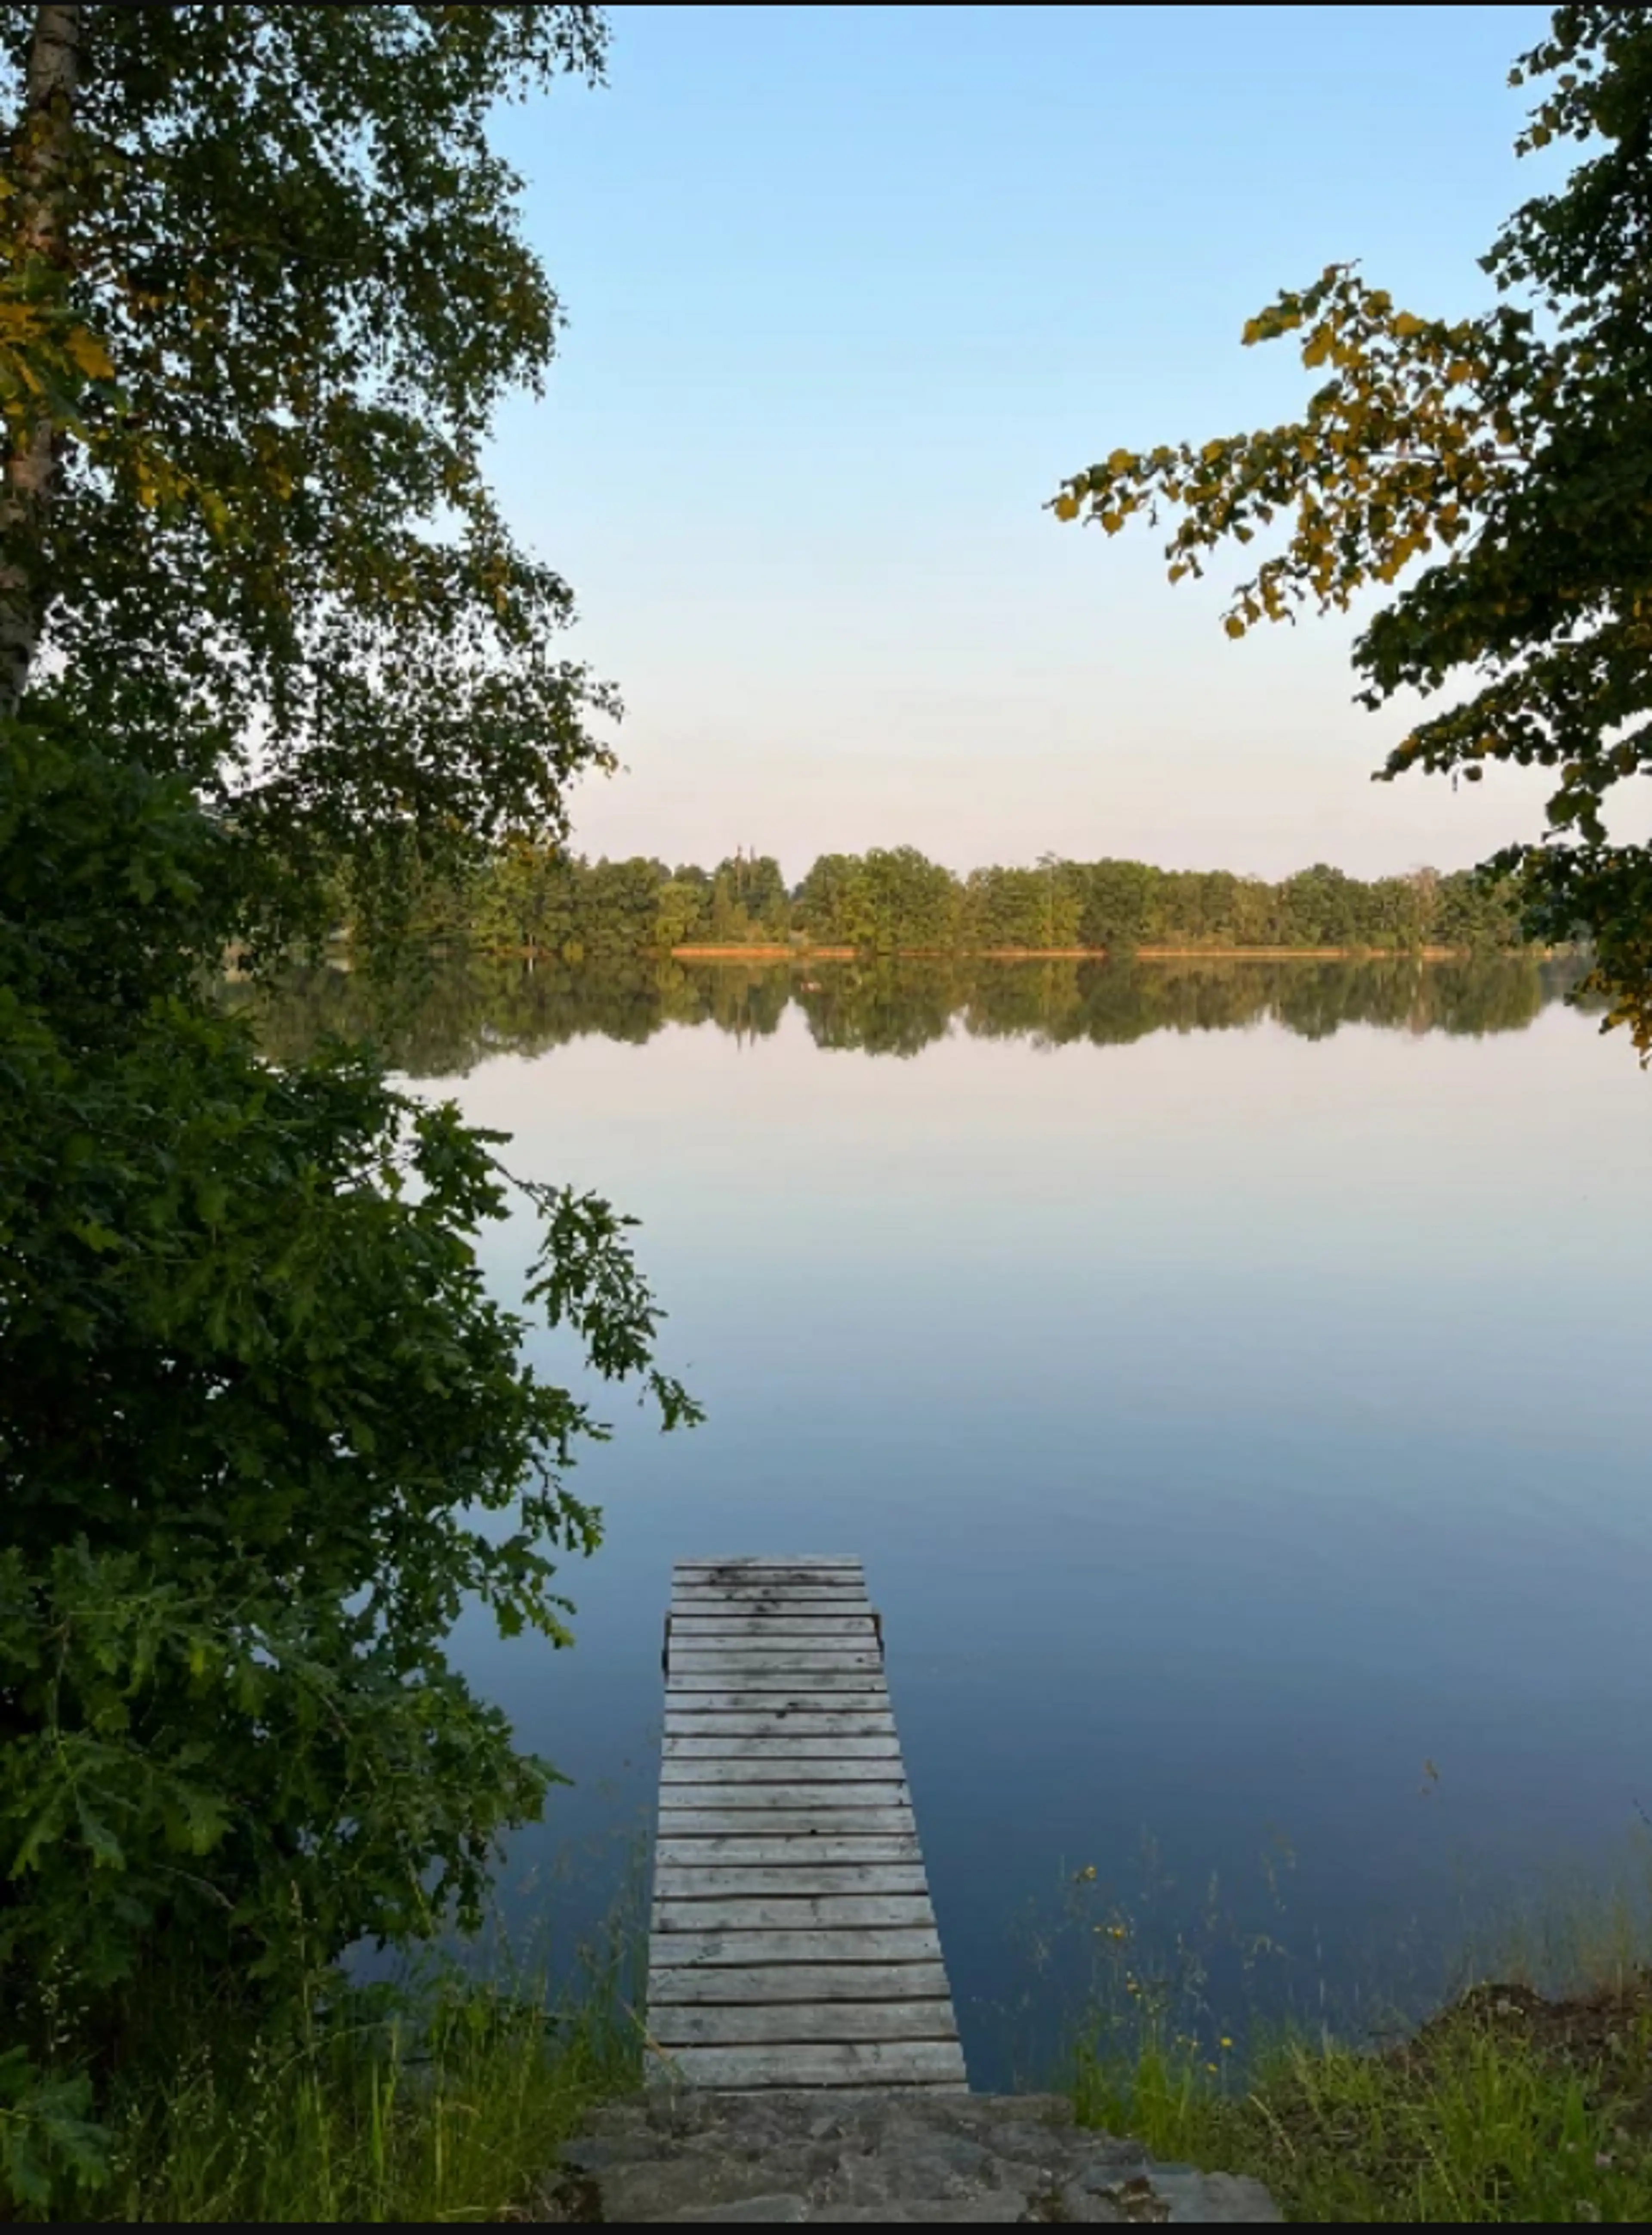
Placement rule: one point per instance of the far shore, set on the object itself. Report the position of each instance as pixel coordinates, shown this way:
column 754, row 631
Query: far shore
column 340, row 957
column 756, row 954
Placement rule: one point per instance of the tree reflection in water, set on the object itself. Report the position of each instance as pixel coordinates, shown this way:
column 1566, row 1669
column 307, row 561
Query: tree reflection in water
column 462, row 1010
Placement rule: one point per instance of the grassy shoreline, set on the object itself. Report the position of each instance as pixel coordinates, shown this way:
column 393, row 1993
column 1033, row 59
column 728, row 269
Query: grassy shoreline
column 1505, row 2108
column 448, row 2096
column 775, row 954
column 1512, row 2084
column 453, row 2106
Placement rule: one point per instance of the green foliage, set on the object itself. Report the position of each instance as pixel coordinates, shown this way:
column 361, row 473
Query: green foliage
column 681, row 913
column 1505, row 2111
column 831, row 905
column 893, row 900
column 747, row 899
column 257, row 1410
column 1526, row 2102
column 1513, row 450
column 268, row 646
column 270, row 561
column 448, row 2104
column 48, row 2146
column 902, row 901
column 1030, row 909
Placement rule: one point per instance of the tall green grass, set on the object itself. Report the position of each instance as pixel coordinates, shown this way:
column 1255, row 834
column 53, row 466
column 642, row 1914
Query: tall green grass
column 446, row 2097
column 452, row 2109
column 1490, row 2124
column 441, row 2095
column 1526, row 2101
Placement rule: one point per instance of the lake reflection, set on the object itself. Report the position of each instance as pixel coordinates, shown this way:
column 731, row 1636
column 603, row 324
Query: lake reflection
column 1231, row 1421
column 463, row 1013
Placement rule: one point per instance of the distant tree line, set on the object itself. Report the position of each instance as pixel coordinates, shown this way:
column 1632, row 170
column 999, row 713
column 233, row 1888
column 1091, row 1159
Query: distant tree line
column 529, row 900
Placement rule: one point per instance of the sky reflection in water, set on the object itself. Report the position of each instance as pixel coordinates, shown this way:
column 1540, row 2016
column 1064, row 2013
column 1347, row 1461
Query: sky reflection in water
column 1230, row 1421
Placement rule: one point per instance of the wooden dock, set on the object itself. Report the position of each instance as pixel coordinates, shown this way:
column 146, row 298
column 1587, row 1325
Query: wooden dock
column 792, row 1940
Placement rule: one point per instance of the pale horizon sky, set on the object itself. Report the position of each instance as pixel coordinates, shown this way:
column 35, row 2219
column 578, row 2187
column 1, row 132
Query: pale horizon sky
column 850, row 289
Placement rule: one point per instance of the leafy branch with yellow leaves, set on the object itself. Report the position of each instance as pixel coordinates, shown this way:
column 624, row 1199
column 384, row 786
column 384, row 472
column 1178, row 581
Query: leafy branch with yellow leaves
column 1510, row 453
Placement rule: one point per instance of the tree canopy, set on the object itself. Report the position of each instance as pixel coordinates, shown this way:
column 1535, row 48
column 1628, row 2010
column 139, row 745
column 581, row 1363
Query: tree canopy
column 529, row 900
column 263, row 1428
column 246, row 536
column 1511, row 450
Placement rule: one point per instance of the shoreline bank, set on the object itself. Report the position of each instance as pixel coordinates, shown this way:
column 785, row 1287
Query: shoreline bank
column 769, row 953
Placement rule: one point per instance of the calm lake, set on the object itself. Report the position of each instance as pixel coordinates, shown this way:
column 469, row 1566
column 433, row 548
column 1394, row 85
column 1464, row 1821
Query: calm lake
column 1233, row 1378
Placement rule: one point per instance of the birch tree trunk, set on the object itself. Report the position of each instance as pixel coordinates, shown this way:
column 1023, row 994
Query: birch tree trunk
column 43, row 144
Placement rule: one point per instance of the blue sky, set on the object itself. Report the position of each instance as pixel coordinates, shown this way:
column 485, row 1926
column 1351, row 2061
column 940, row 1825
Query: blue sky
column 850, row 289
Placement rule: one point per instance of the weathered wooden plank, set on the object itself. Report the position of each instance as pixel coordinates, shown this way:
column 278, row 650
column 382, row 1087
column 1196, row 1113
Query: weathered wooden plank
column 757, row 1607
column 839, row 1578
column 807, row 1582
column 781, row 1614
column 854, row 1723
column 760, row 1797
column 798, row 1580
column 838, row 1650
column 785, row 1768
column 738, row 1745
column 811, row 1912
column 711, row 1822
column 834, row 2064
column 742, row 1676
column 775, row 1672
column 810, row 1623
column 741, row 1561
column 800, row 1983
column 768, row 1849
column 677, row 1883
column 806, row 1598
column 783, row 1617
column 733, row 1663
column 802, row 1649
column 685, row 2025
column 828, row 1597
column 777, row 1628
column 703, row 1620
column 771, row 1579
column 779, row 1700
column 684, row 1780
column 813, row 1691
column 674, row 1951
column 783, row 1624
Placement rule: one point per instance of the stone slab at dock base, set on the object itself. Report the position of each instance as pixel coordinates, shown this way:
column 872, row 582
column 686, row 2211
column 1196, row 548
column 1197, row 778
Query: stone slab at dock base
column 890, row 2157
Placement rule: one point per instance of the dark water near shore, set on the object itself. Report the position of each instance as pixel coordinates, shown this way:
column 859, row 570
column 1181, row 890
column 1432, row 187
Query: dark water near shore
column 1233, row 1378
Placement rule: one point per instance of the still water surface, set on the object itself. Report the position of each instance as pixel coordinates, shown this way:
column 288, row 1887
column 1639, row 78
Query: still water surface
column 1235, row 1380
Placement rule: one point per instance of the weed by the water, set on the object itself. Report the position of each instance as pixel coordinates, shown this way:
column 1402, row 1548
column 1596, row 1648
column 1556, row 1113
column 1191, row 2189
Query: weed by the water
column 436, row 2084
column 448, row 2111
column 1526, row 2101
column 452, row 2108
column 1507, row 2107
column 440, row 2094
